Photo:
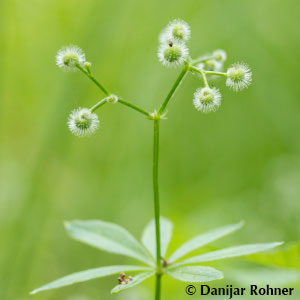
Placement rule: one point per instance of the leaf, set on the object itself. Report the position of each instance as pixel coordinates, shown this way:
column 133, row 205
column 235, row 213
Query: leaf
column 195, row 274
column 108, row 237
column 135, row 281
column 204, row 239
column 278, row 277
column 87, row 275
column 285, row 257
column 228, row 253
column 149, row 236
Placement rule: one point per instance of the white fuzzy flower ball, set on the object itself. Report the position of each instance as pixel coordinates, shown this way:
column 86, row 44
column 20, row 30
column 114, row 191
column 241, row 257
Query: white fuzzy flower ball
column 239, row 76
column 219, row 55
column 207, row 99
column 177, row 29
column 68, row 57
column 82, row 122
column 172, row 53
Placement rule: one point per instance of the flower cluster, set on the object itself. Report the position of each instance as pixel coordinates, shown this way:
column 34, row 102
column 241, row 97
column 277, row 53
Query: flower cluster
column 238, row 77
column 172, row 50
column 82, row 122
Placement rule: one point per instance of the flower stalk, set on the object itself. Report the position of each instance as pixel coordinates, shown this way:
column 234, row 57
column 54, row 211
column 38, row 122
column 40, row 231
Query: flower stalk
column 173, row 89
column 91, row 77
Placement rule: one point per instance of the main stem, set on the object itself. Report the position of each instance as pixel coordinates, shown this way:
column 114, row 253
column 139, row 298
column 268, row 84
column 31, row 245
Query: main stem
column 156, row 207
column 156, row 118
column 155, row 179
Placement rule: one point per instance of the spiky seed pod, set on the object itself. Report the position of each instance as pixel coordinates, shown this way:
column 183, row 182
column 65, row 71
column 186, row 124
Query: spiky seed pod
column 219, row 55
column 239, row 76
column 172, row 53
column 177, row 29
column 207, row 99
column 82, row 122
column 68, row 57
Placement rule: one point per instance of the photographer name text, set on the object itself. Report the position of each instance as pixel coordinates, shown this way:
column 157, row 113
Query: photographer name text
column 231, row 291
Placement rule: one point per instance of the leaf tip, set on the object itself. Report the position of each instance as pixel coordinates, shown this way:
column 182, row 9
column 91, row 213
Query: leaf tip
column 67, row 224
column 241, row 223
column 114, row 291
column 276, row 244
column 33, row 292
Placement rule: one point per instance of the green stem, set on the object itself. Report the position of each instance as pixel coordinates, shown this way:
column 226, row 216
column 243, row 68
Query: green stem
column 192, row 68
column 202, row 59
column 215, row 73
column 97, row 105
column 90, row 76
column 107, row 93
column 134, row 107
column 173, row 89
column 157, row 286
column 204, row 79
column 156, row 207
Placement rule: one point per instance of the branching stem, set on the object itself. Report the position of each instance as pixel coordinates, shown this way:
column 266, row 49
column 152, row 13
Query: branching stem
column 192, row 68
column 142, row 111
column 156, row 118
column 202, row 59
column 173, row 89
column 106, row 92
column 90, row 76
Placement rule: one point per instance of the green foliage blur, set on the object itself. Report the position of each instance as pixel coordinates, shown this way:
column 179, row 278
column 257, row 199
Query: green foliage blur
column 240, row 163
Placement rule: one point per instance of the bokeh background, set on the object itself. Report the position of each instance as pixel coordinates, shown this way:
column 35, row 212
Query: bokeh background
column 240, row 163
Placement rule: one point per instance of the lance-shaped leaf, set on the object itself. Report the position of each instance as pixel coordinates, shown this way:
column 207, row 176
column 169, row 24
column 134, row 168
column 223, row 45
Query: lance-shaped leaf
column 278, row 277
column 87, row 275
column 149, row 236
column 195, row 274
column 108, row 237
column 203, row 239
column 285, row 257
column 135, row 281
column 228, row 253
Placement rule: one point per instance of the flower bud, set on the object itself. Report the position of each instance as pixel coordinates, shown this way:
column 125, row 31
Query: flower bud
column 207, row 99
column 112, row 98
column 87, row 65
column 239, row 76
column 82, row 122
column 68, row 57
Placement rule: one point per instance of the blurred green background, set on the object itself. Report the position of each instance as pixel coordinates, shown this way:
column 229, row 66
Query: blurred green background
column 240, row 163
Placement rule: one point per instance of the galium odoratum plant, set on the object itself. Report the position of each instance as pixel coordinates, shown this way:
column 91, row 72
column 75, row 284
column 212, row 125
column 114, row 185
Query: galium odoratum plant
column 151, row 251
